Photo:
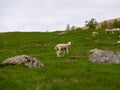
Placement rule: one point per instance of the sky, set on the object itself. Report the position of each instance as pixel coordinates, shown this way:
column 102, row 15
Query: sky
column 53, row 15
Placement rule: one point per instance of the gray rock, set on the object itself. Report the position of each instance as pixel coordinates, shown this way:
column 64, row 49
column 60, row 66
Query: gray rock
column 34, row 63
column 26, row 60
column 62, row 33
column 103, row 56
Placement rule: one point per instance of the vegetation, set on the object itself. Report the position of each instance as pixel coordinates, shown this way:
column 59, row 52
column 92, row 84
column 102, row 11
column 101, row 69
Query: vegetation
column 114, row 24
column 68, row 27
column 63, row 73
column 110, row 24
column 91, row 24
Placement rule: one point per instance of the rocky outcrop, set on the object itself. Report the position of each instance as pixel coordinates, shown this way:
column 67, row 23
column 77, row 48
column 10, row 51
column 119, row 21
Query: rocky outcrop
column 103, row 56
column 26, row 60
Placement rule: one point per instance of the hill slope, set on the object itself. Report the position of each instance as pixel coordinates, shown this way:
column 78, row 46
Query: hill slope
column 99, row 24
column 108, row 21
column 59, row 73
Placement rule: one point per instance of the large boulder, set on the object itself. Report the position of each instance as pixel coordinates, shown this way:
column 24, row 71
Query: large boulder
column 104, row 56
column 26, row 60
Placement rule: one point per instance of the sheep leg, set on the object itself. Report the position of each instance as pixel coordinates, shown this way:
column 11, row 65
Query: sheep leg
column 64, row 52
column 67, row 51
column 58, row 53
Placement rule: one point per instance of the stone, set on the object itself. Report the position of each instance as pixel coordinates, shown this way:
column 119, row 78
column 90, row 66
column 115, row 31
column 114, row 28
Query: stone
column 104, row 56
column 26, row 60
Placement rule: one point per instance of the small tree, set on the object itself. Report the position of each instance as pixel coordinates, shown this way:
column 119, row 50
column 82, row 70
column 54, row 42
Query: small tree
column 67, row 27
column 91, row 24
column 73, row 27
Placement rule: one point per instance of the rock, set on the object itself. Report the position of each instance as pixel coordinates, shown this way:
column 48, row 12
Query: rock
column 26, row 60
column 62, row 33
column 34, row 63
column 102, row 56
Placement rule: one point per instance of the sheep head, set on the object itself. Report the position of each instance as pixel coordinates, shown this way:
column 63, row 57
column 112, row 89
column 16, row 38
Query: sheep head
column 69, row 43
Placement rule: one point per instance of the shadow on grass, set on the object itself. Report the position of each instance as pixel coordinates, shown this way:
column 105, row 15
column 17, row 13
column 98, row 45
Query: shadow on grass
column 1, row 65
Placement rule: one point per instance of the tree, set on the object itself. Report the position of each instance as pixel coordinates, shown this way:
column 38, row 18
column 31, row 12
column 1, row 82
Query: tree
column 91, row 24
column 67, row 27
column 73, row 28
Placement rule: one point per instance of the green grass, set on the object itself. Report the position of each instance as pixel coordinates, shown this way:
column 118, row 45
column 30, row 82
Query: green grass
column 59, row 73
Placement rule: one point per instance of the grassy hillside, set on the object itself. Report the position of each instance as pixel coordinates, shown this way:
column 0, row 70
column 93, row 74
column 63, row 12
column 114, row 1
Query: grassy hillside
column 108, row 22
column 59, row 73
column 99, row 25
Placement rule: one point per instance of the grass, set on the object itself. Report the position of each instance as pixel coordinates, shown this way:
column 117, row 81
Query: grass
column 59, row 73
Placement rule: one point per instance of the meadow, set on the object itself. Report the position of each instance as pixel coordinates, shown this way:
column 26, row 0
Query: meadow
column 59, row 73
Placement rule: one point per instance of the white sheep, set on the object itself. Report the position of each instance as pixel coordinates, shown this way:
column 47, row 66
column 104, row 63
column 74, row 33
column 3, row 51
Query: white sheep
column 94, row 33
column 116, row 29
column 62, row 47
column 109, row 31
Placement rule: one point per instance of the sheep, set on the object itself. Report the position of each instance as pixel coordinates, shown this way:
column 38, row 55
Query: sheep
column 109, row 31
column 59, row 47
column 116, row 29
column 112, row 30
column 94, row 33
